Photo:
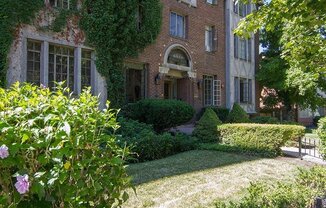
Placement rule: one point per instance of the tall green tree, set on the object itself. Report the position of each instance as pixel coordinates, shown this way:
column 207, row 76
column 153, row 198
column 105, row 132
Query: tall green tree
column 302, row 43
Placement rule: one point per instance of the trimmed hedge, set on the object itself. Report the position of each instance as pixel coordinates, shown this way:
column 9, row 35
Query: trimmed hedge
column 238, row 115
column 206, row 130
column 162, row 114
column 261, row 138
column 322, row 136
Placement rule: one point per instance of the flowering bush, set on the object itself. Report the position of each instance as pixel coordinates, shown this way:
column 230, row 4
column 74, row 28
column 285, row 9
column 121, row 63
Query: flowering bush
column 53, row 150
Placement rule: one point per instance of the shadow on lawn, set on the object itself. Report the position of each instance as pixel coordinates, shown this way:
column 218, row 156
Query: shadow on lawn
column 185, row 162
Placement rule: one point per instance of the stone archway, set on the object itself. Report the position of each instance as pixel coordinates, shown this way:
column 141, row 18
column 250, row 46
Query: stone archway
column 178, row 71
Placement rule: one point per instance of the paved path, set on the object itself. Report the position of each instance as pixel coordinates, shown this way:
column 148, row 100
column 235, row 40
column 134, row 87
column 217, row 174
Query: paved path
column 294, row 152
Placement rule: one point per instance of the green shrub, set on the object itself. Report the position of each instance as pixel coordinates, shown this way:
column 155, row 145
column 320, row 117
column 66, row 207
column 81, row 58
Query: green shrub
column 57, row 153
column 222, row 113
column 322, row 135
column 301, row 193
column 206, row 129
column 238, row 115
column 265, row 120
column 148, row 145
column 162, row 114
column 261, row 138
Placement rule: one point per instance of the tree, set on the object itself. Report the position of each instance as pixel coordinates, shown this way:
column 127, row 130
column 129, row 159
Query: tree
column 302, row 43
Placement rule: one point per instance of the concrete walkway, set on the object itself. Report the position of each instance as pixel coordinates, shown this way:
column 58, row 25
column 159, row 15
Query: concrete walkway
column 308, row 156
column 186, row 129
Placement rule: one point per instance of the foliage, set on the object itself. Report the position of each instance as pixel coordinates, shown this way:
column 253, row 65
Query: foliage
column 302, row 41
column 162, row 114
column 266, row 138
column 13, row 13
column 222, row 113
column 322, row 135
column 58, row 142
column 147, row 145
column 272, row 73
column 265, row 120
column 111, row 27
column 206, row 128
column 301, row 193
column 238, row 115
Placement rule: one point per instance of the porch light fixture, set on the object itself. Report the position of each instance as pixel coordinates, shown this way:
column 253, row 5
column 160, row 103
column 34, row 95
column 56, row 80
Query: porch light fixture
column 199, row 83
column 158, row 78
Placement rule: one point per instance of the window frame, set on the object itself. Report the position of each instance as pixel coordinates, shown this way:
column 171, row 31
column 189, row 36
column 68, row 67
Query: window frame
column 60, row 4
column 76, row 52
column 184, row 28
column 33, row 51
column 212, row 91
column 212, row 2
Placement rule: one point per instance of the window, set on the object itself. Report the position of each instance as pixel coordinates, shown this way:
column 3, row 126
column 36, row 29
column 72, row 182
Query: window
column 242, row 48
column 177, row 25
column 139, row 17
column 209, row 39
column 63, row 4
column 86, row 67
column 242, row 90
column 135, row 84
column 236, row 46
column 178, row 57
column 236, row 90
column 211, row 1
column 33, row 62
column 61, row 66
column 212, row 91
column 241, row 8
column 236, row 6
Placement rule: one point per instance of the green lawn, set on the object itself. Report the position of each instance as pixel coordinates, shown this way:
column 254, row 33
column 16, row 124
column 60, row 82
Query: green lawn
column 198, row 178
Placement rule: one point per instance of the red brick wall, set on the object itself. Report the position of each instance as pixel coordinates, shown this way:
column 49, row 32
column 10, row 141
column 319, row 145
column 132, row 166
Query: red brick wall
column 203, row 62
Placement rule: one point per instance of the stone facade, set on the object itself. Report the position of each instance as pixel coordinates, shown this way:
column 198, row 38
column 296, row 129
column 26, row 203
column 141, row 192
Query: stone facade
column 71, row 38
column 241, row 63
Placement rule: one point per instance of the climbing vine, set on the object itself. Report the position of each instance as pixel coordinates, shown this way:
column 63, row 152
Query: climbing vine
column 112, row 28
column 13, row 13
column 115, row 29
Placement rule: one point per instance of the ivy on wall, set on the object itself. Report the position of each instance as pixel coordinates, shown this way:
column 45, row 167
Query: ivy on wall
column 111, row 28
column 13, row 13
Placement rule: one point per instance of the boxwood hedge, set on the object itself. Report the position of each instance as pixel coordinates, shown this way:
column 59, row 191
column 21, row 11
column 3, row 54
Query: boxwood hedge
column 261, row 138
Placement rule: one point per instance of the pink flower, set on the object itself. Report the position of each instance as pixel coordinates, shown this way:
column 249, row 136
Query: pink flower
column 4, row 152
column 22, row 184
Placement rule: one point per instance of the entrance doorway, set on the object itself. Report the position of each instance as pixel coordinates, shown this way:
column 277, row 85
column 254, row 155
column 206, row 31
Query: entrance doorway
column 170, row 89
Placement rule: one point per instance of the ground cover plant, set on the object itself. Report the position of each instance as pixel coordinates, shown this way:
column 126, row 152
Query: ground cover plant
column 308, row 185
column 54, row 153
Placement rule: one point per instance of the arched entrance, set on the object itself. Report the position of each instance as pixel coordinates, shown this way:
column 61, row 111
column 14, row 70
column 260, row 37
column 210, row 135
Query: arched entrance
column 178, row 72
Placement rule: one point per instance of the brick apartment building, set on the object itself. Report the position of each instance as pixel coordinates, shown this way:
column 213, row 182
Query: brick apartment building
column 188, row 61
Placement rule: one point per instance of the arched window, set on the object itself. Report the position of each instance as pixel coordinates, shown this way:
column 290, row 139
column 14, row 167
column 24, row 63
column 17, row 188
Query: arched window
column 178, row 57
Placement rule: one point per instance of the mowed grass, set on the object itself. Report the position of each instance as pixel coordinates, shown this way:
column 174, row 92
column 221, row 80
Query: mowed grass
column 198, row 178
